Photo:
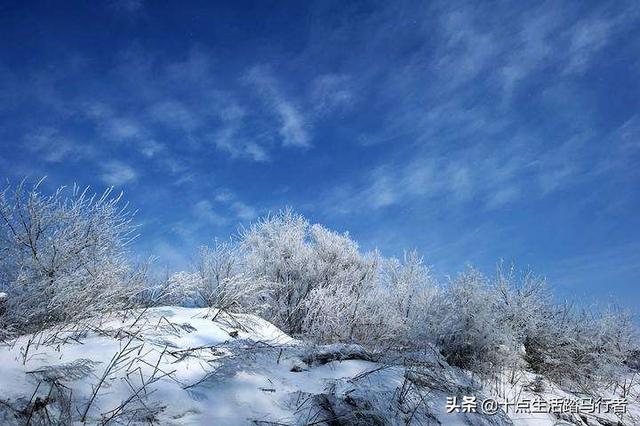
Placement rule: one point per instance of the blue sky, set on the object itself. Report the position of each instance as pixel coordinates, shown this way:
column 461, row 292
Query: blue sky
column 469, row 131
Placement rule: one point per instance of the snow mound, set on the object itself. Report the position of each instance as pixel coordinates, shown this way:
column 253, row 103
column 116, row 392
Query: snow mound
column 186, row 366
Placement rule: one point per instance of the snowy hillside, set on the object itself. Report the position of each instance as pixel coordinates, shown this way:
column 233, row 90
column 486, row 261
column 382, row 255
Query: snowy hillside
column 184, row 366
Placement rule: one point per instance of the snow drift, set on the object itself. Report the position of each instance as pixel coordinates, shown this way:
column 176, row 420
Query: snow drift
column 188, row 366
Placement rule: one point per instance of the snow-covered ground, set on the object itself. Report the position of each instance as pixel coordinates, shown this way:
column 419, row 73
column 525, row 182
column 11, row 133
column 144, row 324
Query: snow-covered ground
column 183, row 366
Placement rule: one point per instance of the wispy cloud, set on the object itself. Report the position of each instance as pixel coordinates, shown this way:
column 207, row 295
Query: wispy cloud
column 239, row 209
column 243, row 211
column 332, row 92
column 204, row 210
column 463, row 137
column 293, row 125
column 233, row 138
column 587, row 38
column 611, row 265
column 116, row 173
column 174, row 114
column 169, row 110
column 128, row 7
column 222, row 209
column 52, row 146
column 112, row 126
column 402, row 116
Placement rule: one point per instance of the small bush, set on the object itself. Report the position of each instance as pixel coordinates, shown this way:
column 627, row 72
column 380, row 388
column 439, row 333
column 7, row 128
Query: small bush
column 64, row 255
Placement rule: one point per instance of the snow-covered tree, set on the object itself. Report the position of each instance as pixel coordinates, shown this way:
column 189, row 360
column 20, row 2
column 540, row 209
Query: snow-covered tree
column 407, row 291
column 582, row 348
column 339, row 307
column 277, row 251
column 219, row 279
column 317, row 283
column 64, row 255
column 224, row 281
column 521, row 300
column 318, row 280
column 180, row 288
column 469, row 333
column 521, row 303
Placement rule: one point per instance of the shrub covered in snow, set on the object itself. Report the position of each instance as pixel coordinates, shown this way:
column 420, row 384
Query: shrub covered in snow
column 64, row 255
column 469, row 333
column 318, row 281
column 325, row 288
column 409, row 298
column 224, row 281
column 220, row 279
column 582, row 349
column 277, row 251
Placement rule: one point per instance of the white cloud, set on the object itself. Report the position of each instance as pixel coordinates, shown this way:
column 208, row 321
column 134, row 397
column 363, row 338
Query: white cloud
column 116, row 173
column 331, row 92
column 623, row 154
column 121, row 128
column 460, row 181
column 151, row 148
column 459, row 146
column 627, row 136
column 293, row 129
column 606, row 264
column 382, row 190
column 53, row 147
column 293, row 125
column 111, row 125
column 174, row 114
column 244, row 211
column 224, row 196
column 466, row 50
column 229, row 138
column 587, row 39
column 170, row 255
column 226, row 202
column 552, row 179
column 129, row 7
column 229, row 200
column 204, row 210
column 502, row 197
column 489, row 177
column 195, row 72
